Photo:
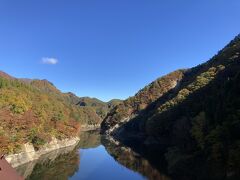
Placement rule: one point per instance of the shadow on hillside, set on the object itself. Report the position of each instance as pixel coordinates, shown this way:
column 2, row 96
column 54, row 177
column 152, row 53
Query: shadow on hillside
column 169, row 145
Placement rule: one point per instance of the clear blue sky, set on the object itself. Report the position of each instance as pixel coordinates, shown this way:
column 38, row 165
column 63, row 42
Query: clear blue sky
column 111, row 48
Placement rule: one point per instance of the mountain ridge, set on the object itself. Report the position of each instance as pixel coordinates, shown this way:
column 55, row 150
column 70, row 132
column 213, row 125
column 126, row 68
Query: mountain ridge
column 195, row 125
column 34, row 111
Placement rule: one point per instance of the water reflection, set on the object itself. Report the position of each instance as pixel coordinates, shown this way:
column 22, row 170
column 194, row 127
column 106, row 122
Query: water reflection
column 63, row 167
column 132, row 160
column 89, row 139
column 59, row 164
column 93, row 158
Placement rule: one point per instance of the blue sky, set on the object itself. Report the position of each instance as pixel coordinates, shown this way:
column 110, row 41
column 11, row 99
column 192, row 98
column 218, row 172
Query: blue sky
column 111, row 48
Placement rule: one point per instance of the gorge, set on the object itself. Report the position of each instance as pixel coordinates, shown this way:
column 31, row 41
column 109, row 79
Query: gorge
column 184, row 125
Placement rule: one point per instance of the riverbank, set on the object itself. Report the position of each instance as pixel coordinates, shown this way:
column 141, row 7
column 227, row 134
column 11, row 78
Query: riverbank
column 29, row 154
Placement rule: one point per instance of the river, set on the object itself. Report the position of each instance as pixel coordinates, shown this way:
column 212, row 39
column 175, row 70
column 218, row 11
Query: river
column 93, row 158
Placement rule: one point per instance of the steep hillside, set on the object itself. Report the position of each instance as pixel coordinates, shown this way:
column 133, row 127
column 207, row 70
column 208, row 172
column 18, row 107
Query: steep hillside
column 86, row 115
column 29, row 115
column 92, row 110
column 194, row 126
column 35, row 111
column 46, row 87
column 5, row 75
column 134, row 105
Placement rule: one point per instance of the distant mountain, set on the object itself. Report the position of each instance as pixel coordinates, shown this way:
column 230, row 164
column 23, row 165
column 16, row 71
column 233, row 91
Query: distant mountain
column 194, row 124
column 114, row 102
column 101, row 108
column 72, row 98
column 5, row 75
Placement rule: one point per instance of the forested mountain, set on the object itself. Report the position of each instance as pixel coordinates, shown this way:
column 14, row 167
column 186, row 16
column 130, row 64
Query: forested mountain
column 132, row 106
column 194, row 125
column 35, row 111
column 28, row 114
column 101, row 108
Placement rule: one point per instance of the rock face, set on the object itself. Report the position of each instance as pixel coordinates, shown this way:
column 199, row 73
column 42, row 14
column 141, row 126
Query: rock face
column 29, row 154
column 90, row 127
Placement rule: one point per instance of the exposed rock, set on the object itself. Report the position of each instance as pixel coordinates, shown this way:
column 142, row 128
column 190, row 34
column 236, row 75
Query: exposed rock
column 88, row 127
column 29, row 154
column 26, row 170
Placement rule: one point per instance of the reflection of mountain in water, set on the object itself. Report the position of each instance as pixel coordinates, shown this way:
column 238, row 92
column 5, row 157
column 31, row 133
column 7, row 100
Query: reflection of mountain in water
column 62, row 167
column 132, row 160
column 62, row 163
column 59, row 164
column 89, row 139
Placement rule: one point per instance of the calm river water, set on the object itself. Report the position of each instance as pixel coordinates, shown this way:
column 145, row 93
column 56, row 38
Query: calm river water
column 91, row 160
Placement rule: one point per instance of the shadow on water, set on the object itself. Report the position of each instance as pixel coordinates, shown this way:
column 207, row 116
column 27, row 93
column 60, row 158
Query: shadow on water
column 132, row 160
